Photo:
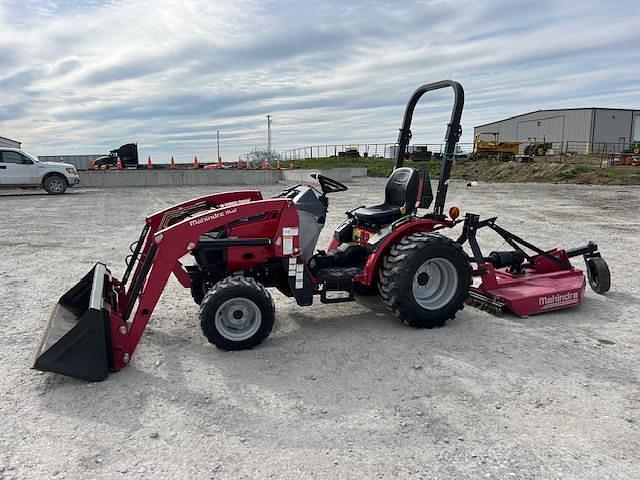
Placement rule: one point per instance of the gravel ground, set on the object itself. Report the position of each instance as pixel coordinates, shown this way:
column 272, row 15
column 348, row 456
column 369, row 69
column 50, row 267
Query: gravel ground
column 344, row 391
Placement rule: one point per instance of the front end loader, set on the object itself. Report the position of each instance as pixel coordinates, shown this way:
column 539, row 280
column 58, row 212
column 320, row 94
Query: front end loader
column 242, row 245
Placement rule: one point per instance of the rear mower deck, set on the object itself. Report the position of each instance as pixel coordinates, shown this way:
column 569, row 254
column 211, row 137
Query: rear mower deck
column 522, row 283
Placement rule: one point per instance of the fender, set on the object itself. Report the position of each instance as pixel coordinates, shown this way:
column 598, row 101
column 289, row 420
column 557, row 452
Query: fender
column 380, row 244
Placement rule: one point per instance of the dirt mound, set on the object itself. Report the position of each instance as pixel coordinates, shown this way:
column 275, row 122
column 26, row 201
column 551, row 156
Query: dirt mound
column 544, row 172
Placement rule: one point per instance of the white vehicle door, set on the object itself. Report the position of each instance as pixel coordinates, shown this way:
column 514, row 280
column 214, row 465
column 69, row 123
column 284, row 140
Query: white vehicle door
column 17, row 169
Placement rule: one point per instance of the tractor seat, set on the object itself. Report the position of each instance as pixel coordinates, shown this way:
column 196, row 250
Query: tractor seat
column 400, row 195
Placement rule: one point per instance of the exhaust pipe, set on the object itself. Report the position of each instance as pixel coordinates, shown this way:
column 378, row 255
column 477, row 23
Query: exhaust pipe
column 77, row 341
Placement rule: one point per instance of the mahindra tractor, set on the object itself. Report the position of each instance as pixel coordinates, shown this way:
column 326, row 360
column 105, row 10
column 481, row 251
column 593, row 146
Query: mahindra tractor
column 242, row 245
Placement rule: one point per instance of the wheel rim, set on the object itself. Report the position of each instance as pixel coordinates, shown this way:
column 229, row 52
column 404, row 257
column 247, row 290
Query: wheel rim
column 435, row 283
column 55, row 185
column 238, row 319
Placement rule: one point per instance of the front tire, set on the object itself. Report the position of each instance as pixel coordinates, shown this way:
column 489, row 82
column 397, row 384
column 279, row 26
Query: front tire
column 237, row 313
column 425, row 279
column 55, row 184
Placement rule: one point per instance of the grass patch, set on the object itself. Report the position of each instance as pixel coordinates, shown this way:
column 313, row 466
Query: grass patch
column 376, row 167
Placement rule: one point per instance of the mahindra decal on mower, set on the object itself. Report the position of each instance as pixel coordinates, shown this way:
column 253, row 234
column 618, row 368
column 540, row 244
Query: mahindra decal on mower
column 242, row 244
column 559, row 300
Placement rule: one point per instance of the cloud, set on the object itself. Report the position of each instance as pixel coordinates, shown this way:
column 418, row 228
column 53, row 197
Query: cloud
column 83, row 77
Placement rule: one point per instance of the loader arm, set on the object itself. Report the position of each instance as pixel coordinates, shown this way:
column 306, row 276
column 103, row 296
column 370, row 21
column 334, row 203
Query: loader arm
column 175, row 214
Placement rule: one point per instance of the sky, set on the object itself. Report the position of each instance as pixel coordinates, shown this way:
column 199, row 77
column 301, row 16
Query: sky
column 84, row 77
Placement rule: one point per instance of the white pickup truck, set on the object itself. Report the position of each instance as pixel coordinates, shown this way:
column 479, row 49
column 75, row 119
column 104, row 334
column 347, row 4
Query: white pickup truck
column 20, row 169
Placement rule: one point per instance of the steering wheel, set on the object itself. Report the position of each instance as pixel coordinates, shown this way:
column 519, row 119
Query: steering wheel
column 287, row 192
column 329, row 185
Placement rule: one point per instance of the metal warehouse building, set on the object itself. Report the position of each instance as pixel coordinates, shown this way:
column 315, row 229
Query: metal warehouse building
column 8, row 143
column 572, row 129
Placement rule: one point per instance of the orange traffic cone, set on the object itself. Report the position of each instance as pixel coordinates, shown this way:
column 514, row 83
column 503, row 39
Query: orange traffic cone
column 219, row 165
column 195, row 162
column 119, row 164
column 278, row 166
column 173, row 163
column 149, row 164
column 91, row 164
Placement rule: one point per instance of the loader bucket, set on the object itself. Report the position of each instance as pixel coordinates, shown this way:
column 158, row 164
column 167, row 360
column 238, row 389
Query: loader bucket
column 76, row 340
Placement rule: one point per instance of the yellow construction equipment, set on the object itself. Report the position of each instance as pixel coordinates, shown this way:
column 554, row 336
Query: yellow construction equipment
column 494, row 149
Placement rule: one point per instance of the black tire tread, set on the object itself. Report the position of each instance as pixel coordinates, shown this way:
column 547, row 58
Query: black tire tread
column 395, row 262
column 48, row 177
column 603, row 282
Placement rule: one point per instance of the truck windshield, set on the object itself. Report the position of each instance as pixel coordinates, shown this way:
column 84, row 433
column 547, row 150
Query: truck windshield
column 35, row 159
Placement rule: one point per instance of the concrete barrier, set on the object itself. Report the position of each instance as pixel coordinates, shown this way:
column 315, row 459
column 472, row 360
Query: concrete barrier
column 156, row 178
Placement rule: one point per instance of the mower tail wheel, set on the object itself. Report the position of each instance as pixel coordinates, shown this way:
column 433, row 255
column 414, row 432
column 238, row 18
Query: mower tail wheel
column 598, row 274
column 425, row 279
column 237, row 313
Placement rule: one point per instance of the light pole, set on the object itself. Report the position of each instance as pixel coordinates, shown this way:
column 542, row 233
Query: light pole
column 269, row 137
column 218, row 143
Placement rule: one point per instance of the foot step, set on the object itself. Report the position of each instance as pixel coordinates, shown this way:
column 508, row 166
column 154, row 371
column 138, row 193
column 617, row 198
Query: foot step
column 335, row 287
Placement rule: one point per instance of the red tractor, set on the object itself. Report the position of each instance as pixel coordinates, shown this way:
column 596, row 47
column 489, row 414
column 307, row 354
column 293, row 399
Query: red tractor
column 244, row 244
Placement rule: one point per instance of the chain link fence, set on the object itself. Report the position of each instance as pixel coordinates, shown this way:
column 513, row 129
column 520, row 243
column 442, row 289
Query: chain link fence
column 591, row 153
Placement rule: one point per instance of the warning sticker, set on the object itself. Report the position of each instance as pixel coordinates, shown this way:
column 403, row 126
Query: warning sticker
column 287, row 245
column 290, row 231
column 292, row 266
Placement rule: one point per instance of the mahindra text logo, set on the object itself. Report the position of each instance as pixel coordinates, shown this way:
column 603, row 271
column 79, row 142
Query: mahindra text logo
column 557, row 300
column 213, row 216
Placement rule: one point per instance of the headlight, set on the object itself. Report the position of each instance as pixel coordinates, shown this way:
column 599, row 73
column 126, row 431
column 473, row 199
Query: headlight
column 71, row 170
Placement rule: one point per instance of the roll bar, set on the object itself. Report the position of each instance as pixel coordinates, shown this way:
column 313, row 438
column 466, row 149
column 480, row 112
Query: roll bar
column 451, row 138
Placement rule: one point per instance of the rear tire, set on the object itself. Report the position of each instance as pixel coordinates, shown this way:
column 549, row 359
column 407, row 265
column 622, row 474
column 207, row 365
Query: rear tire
column 237, row 314
column 55, row 184
column 598, row 274
column 425, row 279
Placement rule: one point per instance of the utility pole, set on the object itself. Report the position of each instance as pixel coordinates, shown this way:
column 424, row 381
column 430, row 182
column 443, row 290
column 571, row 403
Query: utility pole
column 218, row 142
column 269, row 137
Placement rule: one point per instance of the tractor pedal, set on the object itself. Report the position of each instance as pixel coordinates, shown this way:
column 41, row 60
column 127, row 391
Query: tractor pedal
column 486, row 303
